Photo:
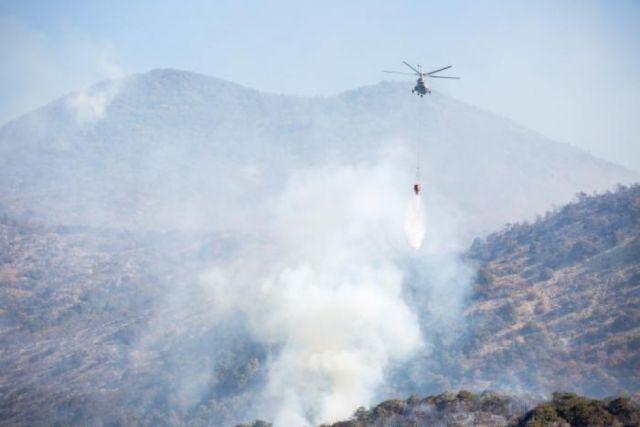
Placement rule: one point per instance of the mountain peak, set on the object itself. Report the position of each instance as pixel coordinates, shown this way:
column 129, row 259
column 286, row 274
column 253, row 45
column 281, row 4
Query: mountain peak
column 177, row 76
column 125, row 144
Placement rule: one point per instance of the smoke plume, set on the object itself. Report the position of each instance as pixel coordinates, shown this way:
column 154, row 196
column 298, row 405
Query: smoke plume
column 90, row 105
column 321, row 285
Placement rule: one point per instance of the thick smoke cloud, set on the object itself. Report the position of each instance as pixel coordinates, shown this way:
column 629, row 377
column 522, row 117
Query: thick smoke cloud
column 323, row 280
column 320, row 281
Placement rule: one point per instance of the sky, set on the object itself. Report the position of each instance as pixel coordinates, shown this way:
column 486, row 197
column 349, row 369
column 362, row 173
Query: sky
column 567, row 69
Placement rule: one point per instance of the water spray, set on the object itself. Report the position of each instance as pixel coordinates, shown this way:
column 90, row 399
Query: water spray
column 415, row 223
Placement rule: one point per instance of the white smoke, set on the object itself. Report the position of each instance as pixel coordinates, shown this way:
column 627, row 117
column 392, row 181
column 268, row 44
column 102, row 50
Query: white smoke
column 415, row 225
column 321, row 284
column 89, row 106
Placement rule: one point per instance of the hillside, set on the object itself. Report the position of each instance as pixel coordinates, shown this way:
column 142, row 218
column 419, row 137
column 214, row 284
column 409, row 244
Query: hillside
column 94, row 319
column 555, row 306
column 563, row 296
column 175, row 150
column 91, row 331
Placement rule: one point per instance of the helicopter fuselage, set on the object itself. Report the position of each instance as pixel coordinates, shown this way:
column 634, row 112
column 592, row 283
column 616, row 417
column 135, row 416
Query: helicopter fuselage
column 421, row 87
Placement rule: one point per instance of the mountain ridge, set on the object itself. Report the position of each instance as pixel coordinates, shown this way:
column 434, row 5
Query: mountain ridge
column 345, row 94
column 134, row 153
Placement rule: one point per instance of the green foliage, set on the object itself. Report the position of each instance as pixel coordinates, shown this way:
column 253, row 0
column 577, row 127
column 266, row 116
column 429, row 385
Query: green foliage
column 542, row 416
column 572, row 410
column 626, row 410
column 465, row 395
column 582, row 411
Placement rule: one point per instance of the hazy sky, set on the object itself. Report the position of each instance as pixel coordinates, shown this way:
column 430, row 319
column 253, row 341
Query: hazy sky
column 568, row 69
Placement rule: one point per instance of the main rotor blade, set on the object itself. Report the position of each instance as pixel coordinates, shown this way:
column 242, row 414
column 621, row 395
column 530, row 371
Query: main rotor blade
column 410, row 66
column 439, row 69
column 444, row 77
column 397, row 72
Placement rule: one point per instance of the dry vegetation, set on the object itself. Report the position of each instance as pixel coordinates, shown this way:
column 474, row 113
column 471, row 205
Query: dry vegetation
column 556, row 306
column 557, row 302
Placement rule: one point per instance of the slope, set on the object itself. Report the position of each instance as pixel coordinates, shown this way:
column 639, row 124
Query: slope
column 555, row 306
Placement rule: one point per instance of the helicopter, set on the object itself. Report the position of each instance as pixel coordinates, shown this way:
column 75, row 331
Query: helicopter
column 421, row 87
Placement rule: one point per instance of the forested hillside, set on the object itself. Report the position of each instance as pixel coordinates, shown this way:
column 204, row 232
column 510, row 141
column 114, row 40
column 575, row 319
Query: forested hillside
column 555, row 306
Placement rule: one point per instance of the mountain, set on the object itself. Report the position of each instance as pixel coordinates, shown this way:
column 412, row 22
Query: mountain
column 555, row 305
column 176, row 150
column 179, row 249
